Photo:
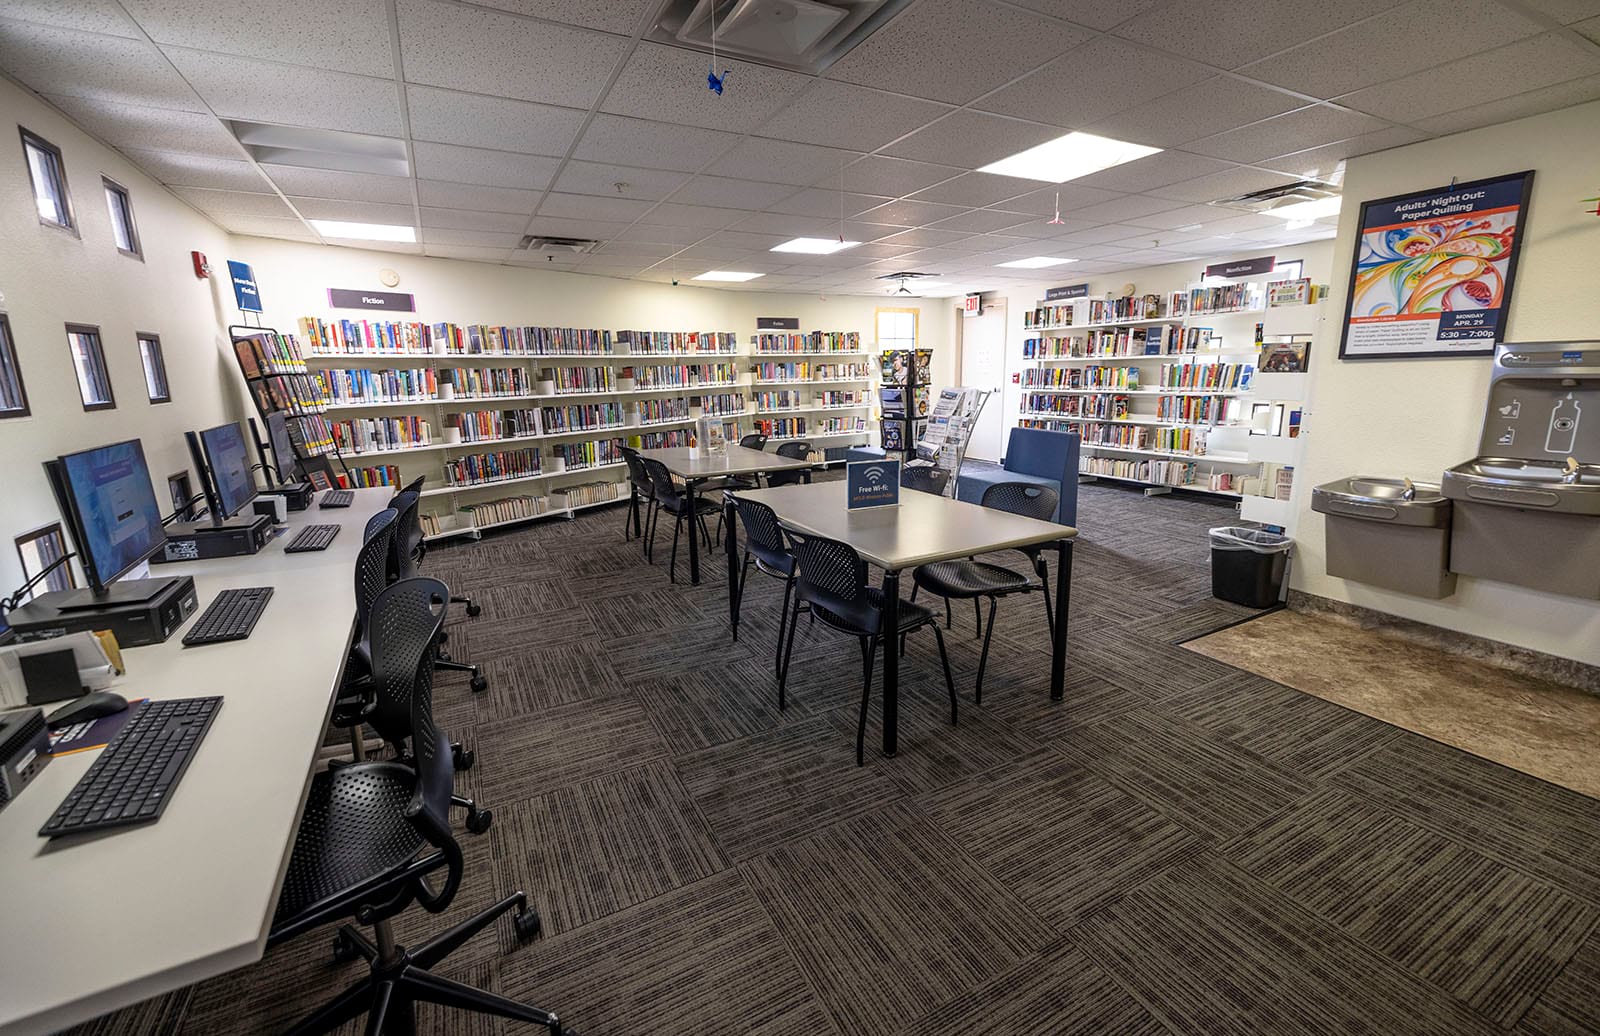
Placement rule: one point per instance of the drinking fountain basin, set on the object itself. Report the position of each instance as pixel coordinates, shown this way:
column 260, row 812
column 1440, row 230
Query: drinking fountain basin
column 1532, row 484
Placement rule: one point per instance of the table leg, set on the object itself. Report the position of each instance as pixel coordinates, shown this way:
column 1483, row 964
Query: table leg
column 891, row 662
column 1058, row 637
column 694, row 534
column 728, row 516
column 633, row 505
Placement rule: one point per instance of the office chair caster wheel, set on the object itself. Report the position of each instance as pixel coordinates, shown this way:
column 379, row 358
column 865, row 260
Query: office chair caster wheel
column 479, row 683
column 478, row 820
column 474, row 609
column 462, row 758
column 344, row 948
column 528, row 924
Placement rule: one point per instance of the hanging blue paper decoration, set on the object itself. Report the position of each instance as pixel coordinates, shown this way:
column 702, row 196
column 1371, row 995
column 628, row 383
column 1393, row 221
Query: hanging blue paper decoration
column 714, row 82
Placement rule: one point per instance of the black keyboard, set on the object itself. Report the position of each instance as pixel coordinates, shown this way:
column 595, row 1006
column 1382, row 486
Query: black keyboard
column 136, row 774
column 338, row 498
column 230, row 617
column 312, row 537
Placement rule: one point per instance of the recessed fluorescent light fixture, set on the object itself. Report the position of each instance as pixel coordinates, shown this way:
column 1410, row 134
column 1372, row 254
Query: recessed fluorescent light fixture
column 364, row 231
column 1069, row 157
column 726, row 275
column 1038, row 262
column 1308, row 210
column 815, row 245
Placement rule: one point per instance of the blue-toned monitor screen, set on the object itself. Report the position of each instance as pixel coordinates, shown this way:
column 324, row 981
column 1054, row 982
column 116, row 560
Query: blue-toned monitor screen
column 110, row 488
column 282, row 448
column 230, row 467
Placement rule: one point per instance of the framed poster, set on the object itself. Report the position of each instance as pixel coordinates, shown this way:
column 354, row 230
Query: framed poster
column 1433, row 270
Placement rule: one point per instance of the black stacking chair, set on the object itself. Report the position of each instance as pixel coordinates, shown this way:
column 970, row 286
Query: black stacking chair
column 794, row 451
column 373, row 833
column 419, row 550
column 763, row 545
column 640, row 488
column 970, row 578
column 675, row 501
column 925, row 478
column 832, row 584
column 403, row 557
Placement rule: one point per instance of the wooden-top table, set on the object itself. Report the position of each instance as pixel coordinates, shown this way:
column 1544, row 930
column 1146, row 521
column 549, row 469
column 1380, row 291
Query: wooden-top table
column 735, row 460
column 923, row 528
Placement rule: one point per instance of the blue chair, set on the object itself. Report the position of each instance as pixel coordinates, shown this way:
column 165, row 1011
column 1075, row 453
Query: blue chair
column 1034, row 455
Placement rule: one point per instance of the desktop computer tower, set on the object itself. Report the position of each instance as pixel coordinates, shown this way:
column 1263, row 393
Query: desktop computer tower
column 239, row 535
column 134, row 623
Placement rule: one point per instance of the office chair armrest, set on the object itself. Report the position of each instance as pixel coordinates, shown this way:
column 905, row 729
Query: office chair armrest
column 448, row 857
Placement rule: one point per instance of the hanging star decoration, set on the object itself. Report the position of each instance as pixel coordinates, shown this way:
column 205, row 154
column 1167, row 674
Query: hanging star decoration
column 1057, row 221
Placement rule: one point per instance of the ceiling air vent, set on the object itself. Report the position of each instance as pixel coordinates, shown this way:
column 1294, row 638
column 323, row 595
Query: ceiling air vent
column 541, row 245
column 803, row 35
column 1283, row 194
column 903, row 276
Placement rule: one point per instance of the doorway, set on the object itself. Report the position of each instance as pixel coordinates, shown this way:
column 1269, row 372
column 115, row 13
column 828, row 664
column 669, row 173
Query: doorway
column 983, row 366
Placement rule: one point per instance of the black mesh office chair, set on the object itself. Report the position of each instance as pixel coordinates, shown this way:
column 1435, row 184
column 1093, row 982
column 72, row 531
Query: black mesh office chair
column 970, row 578
column 419, row 551
column 675, row 501
column 832, row 584
column 404, row 556
column 733, row 483
column 372, row 834
column 763, row 545
column 793, row 451
column 640, row 489
column 925, row 478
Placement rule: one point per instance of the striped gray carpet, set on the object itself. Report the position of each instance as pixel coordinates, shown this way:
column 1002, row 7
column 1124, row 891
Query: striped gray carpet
column 1178, row 848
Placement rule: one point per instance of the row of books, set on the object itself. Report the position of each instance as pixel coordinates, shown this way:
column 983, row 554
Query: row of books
column 1199, row 409
column 585, row 493
column 1126, row 307
column 815, row 342
column 475, row 469
column 381, row 385
column 684, row 375
column 800, row 427
column 502, row 509
column 1059, row 315
column 367, row 434
column 582, row 379
column 1155, row 471
column 310, row 435
column 1206, row 375
column 370, row 476
column 353, row 337
column 678, row 342
column 1235, row 297
column 1128, row 436
column 669, row 409
column 486, row 425
column 294, row 393
column 268, row 352
column 801, row 371
column 667, row 439
column 582, row 417
column 487, row 381
column 788, row 399
column 719, row 404
column 1081, row 377
column 588, row 454
column 1104, row 407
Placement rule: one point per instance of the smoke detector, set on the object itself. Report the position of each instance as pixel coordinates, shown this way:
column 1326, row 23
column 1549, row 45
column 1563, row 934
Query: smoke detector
column 543, row 245
column 801, row 35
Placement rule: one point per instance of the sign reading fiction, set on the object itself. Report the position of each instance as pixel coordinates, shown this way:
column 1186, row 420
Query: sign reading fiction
column 244, row 286
column 350, row 298
column 1243, row 267
column 872, row 483
column 1067, row 291
column 777, row 323
column 1433, row 270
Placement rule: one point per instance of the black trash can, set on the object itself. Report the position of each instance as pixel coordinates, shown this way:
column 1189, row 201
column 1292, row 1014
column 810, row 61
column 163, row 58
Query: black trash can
column 1248, row 565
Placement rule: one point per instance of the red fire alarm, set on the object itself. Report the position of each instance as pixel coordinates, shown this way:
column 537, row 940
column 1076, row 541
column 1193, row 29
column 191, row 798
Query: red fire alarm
column 202, row 268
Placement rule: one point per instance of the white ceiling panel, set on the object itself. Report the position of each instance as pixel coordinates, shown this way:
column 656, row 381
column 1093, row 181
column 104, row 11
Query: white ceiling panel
column 1386, row 47
column 716, row 253
column 598, row 229
column 350, row 35
column 132, row 126
column 1096, row 14
column 780, row 161
column 728, row 193
column 1230, row 184
column 481, row 166
column 499, row 123
column 469, row 48
column 637, row 184
column 1198, row 111
column 1567, row 11
column 245, row 204
column 1530, row 64
column 102, row 16
column 971, row 139
column 1043, row 200
column 780, row 223
column 328, row 183
column 472, row 253
column 888, row 248
column 876, row 117
column 1182, row 216
column 1229, row 33
column 977, row 189
column 619, row 16
column 466, row 219
column 745, row 240
column 982, row 221
column 179, row 170
column 1322, row 163
column 482, row 238
column 825, row 204
column 692, row 217
column 260, row 91
column 266, row 226
column 925, row 238
column 1242, row 224
column 1038, row 228
column 102, row 68
column 1589, row 29
column 642, row 249
column 1550, row 98
column 669, row 84
column 1095, row 236
column 1130, row 206
column 1302, row 128
column 438, row 194
column 1091, row 82
column 908, row 213
column 620, row 141
column 1155, row 170
column 584, row 206
column 893, row 177
column 377, row 246
column 356, row 211
column 954, row 50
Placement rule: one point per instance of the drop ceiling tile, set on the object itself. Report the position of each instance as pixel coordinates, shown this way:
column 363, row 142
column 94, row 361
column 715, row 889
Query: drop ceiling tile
column 692, row 217
column 245, row 204
column 1535, row 102
column 469, row 48
column 356, row 211
column 641, row 249
column 597, row 268
column 727, row 193
column 954, row 50
column 602, row 179
column 350, row 35
column 266, row 226
column 745, row 240
column 875, row 118
column 892, row 177
column 376, row 246
column 1217, row 186
column 619, row 16
column 669, row 84
column 781, row 161
column 1567, row 11
column 328, row 183
column 482, row 238
column 442, row 195
column 1096, row 14
column 584, row 206
column 497, row 123
column 1391, row 45
column 1530, row 64
column 1038, row 229
column 825, row 204
column 103, row 68
column 1199, row 111
column 1066, row 198
column 1229, row 33
column 1589, row 30
column 908, row 213
column 1095, row 236
column 1157, row 170
column 1322, row 163
column 1091, row 82
column 260, row 91
column 977, row 189
column 620, row 141
column 595, row 229
column 102, row 16
column 886, row 249
column 135, row 126
column 981, row 221
column 1181, row 216
column 467, row 219
column 925, row 237
column 717, row 253
column 970, row 139
column 673, row 238
column 178, row 170
column 474, row 253
column 1312, row 126
column 1084, row 253
column 480, row 166
column 1242, row 224
column 781, row 223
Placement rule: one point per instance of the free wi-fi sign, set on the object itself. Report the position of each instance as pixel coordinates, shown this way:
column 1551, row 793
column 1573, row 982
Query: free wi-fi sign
column 872, row 483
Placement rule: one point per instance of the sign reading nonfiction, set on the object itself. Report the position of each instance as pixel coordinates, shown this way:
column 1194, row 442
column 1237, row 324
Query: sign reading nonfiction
column 350, row 298
column 1067, row 291
column 872, row 483
column 777, row 323
column 244, row 286
column 1243, row 267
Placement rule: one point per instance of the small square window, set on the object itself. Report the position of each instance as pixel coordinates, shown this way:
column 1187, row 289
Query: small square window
column 89, row 360
column 155, row 369
column 13, row 397
column 120, row 202
column 40, row 549
column 49, row 176
column 896, row 328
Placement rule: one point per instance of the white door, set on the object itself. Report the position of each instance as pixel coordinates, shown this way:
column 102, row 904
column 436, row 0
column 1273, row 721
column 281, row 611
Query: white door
column 983, row 366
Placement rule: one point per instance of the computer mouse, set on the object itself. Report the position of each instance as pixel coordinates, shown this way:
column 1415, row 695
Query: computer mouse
column 89, row 707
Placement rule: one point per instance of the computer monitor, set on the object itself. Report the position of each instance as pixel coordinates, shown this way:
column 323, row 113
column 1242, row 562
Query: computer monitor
column 283, row 458
column 228, row 462
column 107, row 502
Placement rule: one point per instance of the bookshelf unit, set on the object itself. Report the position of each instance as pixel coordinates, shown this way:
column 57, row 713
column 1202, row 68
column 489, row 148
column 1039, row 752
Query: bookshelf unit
column 813, row 387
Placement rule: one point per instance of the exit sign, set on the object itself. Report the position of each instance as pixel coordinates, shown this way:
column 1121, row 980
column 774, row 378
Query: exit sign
column 972, row 305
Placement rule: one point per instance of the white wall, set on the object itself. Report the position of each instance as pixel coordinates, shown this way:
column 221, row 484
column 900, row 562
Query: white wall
column 1418, row 417
column 49, row 277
